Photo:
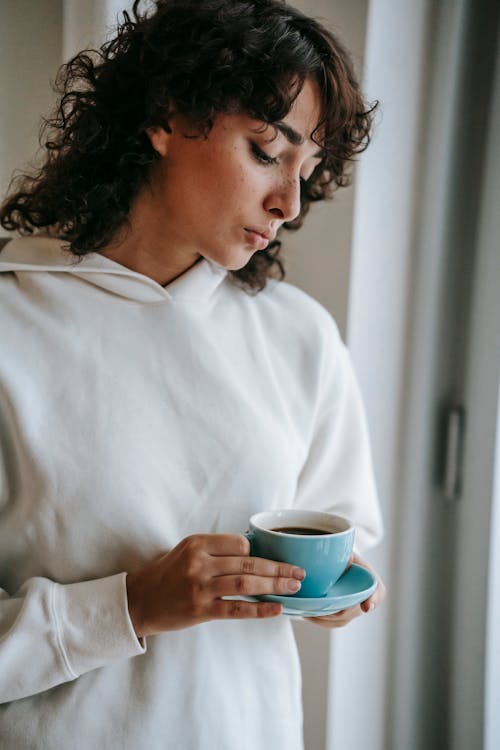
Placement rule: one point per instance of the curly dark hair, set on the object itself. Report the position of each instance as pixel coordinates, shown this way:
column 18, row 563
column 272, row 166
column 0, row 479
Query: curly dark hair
column 207, row 57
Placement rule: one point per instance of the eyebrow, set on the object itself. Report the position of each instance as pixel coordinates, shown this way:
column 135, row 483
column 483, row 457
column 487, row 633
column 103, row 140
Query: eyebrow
column 295, row 138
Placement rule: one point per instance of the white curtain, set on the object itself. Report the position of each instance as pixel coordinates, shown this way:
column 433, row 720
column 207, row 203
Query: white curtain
column 421, row 328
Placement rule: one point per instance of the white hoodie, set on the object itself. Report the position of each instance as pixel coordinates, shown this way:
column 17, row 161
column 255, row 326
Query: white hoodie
column 131, row 416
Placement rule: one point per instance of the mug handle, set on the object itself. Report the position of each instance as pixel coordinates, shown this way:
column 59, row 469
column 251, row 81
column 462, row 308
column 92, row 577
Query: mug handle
column 249, row 535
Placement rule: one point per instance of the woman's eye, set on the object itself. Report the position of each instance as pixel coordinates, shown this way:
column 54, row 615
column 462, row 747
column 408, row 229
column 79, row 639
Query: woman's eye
column 261, row 155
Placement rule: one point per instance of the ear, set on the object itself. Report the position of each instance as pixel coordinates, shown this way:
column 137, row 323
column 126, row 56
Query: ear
column 159, row 139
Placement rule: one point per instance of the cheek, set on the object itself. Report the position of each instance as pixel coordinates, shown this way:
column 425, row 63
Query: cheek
column 233, row 188
column 215, row 182
column 229, row 174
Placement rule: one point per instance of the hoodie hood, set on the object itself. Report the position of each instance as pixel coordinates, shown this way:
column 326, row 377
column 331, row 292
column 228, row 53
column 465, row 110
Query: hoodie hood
column 44, row 254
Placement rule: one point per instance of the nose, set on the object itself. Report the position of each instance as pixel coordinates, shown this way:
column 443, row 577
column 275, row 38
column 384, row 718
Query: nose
column 284, row 200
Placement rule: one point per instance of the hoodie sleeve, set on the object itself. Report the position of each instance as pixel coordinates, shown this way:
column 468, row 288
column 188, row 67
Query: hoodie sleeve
column 52, row 633
column 337, row 475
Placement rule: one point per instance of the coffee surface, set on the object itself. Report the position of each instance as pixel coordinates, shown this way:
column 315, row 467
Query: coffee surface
column 300, row 530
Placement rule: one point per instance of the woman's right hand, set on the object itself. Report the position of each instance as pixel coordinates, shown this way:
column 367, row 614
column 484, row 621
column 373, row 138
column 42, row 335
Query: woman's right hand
column 184, row 587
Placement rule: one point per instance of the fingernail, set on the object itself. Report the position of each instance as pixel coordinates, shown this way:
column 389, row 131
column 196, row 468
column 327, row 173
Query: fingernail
column 299, row 573
column 293, row 586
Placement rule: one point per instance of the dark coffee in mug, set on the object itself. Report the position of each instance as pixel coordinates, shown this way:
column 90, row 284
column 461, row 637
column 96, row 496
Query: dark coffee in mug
column 300, row 530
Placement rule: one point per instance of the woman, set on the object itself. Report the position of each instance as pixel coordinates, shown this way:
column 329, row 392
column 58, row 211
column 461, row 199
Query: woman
column 160, row 383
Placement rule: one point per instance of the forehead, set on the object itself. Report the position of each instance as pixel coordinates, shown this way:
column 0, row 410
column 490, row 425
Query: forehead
column 306, row 109
column 305, row 112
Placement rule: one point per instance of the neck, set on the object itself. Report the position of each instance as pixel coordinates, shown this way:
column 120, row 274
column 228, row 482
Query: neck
column 148, row 246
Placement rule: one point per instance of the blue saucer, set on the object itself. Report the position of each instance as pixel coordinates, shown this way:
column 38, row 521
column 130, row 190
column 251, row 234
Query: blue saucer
column 353, row 587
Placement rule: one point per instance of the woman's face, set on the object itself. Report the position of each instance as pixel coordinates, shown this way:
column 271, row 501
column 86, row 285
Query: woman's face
column 225, row 196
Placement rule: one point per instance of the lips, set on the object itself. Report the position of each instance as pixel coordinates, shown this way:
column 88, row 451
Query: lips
column 256, row 240
column 264, row 232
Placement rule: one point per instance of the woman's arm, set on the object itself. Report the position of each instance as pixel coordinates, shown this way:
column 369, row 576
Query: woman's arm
column 52, row 633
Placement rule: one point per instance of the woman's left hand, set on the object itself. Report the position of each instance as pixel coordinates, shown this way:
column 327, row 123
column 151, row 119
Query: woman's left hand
column 339, row 619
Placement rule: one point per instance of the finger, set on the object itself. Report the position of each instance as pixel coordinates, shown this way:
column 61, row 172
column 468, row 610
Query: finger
column 257, row 566
column 329, row 622
column 334, row 617
column 375, row 599
column 251, row 585
column 228, row 544
column 220, row 544
column 338, row 619
column 323, row 622
column 237, row 609
column 369, row 605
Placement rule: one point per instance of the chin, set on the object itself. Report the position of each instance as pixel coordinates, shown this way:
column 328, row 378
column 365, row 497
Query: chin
column 234, row 261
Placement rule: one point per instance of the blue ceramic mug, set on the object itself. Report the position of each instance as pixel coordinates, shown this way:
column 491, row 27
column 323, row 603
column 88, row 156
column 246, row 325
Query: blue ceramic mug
column 320, row 543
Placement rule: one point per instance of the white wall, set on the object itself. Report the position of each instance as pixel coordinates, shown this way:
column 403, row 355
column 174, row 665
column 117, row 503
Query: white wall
column 492, row 676
column 386, row 187
column 491, row 233
column 87, row 23
column 30, row 53
column 319, row 255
